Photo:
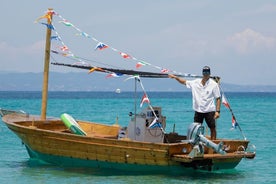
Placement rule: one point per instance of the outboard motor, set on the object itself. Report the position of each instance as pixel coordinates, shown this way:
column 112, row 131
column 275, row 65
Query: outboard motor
column 195, row 136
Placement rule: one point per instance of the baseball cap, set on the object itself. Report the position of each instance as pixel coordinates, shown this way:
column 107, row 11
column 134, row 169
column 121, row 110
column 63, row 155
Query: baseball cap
column 206, row 70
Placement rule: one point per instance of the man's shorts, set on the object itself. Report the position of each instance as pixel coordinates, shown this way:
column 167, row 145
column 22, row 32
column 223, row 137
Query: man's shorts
column 208, row 116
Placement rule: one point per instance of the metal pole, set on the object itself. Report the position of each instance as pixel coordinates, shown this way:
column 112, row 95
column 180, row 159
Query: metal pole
column 135, row 104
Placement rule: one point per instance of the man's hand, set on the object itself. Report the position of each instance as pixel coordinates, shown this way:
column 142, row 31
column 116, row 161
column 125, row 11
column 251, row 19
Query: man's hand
column 171, row 76
column 216, row 116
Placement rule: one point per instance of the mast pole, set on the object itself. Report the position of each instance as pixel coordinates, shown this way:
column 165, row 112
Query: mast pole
column 46, row 65
column 135, row 104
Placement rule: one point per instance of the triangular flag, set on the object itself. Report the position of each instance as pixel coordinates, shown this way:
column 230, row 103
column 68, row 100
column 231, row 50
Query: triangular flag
column 47, row 16
column 113, row 75
column 164, row 70
column 55, row 38
column 64, row 48
column 234, row 122
column 124, row 55
column 92, row 70
column 101, row 46
column 49, row 26
column 139, row 64
column 155, row 123
column 144, row 99
column 224, row 101
column 66, row 23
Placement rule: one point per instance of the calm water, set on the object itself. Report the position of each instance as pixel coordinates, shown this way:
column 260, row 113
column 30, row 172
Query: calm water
column 255, row 113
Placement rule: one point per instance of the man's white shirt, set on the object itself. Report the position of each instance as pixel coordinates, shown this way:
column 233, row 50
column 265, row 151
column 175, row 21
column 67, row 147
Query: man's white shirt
column 204, row 96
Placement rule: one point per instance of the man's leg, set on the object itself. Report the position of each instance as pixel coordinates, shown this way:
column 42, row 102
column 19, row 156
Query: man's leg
column 213, row 133
column 198, row 117
column 211, row 122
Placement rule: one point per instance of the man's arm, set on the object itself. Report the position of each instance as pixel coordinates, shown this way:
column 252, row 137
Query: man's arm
column 217, row 114
column 180, row 80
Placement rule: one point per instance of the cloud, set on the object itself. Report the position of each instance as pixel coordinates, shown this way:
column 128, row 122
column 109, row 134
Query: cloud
column 249, row 41
column 22, row 58
column 267, row 8
column 14, row 52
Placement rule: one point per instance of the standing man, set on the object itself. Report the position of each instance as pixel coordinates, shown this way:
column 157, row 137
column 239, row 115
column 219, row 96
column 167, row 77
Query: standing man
column 206, row 99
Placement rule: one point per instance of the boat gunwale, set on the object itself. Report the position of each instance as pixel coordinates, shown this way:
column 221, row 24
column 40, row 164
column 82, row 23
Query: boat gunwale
column 125, row 142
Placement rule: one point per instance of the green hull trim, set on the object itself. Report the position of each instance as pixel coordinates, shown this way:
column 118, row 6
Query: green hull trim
column 81, row 163
column 147, row 169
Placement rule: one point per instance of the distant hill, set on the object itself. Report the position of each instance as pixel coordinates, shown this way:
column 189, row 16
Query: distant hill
column 81, row 81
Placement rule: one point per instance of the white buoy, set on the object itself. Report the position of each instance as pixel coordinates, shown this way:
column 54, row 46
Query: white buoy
column 118, row 90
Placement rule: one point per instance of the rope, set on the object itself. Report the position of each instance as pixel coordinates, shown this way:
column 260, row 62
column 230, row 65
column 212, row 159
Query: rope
column 232, row 113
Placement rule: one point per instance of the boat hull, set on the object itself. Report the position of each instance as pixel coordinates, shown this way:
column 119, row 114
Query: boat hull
column 63, row 161
column 49, row 141
column 143, row 168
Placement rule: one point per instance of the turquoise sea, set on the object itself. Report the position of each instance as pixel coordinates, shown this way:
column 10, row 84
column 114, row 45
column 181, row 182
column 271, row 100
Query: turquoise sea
column 255, row 112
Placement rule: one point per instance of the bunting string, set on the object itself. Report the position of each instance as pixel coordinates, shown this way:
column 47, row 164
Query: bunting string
column 100, row 45
column 226, row 103
column 65, row 51
column 146, row 99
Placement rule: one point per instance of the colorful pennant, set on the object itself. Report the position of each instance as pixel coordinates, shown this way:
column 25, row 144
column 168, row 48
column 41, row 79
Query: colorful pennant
column 114, row 75
column 101, row 46
column 145, row 99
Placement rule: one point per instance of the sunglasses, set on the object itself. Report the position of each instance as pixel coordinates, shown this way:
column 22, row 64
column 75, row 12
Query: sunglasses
column 206, row 72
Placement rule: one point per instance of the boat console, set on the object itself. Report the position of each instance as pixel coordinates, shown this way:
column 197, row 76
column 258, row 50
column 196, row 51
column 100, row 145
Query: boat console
column 148, row 126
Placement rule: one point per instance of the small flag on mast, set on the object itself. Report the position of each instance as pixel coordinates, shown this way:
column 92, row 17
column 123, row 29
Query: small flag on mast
column 234, row 122
column 225, row 102
column 145, row 99
column 155, row 123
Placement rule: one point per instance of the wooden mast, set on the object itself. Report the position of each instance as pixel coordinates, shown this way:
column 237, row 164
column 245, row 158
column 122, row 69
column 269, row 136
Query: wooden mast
column 46, row 65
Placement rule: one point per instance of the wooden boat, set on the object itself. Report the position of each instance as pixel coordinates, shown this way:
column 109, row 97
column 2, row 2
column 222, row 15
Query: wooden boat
column 151, row 150
column 4, row 112
column 137, row 147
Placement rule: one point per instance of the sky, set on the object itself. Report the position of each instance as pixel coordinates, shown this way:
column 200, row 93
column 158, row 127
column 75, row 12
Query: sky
column 237, row 39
